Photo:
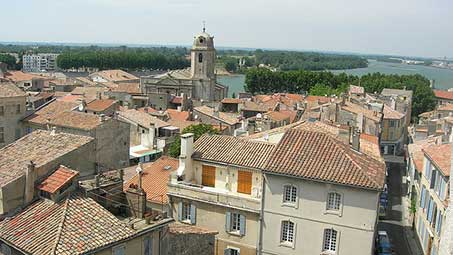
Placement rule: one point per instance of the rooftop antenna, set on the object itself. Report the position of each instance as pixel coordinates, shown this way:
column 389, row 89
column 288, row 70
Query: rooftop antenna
column 204, row 26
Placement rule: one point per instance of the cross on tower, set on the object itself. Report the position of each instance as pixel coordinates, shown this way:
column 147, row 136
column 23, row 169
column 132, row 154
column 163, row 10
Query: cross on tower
column 204, row 26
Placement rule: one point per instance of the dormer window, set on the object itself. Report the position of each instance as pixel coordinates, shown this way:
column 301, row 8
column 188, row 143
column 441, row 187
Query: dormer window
column 57, row 183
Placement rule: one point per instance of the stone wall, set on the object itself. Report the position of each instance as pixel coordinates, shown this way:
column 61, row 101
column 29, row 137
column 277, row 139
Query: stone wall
column 191, row 243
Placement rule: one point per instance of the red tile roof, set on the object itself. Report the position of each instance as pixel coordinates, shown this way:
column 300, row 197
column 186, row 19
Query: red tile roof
column 180, row 228
column 178, row 115
column 8, row 89
column 58, row 179
column 321, row 157
column 443, row 94
column 232, row 150
column 445, row 107
column 76, row 225
column 231, row 101
column 99, row 105
column 441, row 156
column 155, row 178
column 389, row 113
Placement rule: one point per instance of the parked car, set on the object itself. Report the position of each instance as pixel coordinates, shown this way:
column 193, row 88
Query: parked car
column 383, row 247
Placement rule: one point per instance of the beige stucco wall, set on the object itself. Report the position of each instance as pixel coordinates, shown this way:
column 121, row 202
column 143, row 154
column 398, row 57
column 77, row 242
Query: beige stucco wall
column 355, row 223
column 10, row 121
column 135, row 246
column 213, row 217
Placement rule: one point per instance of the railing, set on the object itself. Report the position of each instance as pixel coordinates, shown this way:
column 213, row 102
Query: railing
column 197, row 192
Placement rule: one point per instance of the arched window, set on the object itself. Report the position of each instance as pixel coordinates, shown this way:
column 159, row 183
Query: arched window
column 200, row 57
column 330, row 240
column 333, row 201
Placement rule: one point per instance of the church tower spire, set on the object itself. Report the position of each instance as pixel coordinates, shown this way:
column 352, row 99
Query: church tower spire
column 203, row 56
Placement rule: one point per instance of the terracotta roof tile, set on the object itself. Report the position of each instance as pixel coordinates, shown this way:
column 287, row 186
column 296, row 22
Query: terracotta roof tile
column 40, row 147
column 142, row 118
column 178, row 115
column 18, row 76
column 228, row 118
column 441, row 156
column 278, row 116
column 99, row 105
column 75, row 225
column 231, row 101
column 389, row 113
column 128, row 87
column 116, row 75
column 155, row 178
column 10, row 90
column 445, row 107
column 180, row 228
column 321, row 157
column 355, row 108
column 232, row 150
column 78, row 120
column 57, row 179
column 443, row 94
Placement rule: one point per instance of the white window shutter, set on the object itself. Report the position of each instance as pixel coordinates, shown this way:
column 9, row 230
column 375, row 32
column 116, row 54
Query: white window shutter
column 193, row 214
column 180, row 211
column 228, row 222
column 242, row 223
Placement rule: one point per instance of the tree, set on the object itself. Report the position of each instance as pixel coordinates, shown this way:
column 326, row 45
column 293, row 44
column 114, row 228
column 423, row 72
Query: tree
column 198, row 130
column 8, row 60
column 231, row 64
column 233, row 95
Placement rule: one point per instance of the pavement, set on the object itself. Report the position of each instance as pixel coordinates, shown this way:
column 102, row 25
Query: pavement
column 397, row 222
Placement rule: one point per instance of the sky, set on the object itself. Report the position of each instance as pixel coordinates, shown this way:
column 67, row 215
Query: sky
column 398, row 27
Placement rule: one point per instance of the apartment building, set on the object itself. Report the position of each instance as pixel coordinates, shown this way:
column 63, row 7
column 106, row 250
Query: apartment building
column 431, row 193
column 12, row 110
column 393, row 131
column 321, row 194
column 39, row 62
column 218, row 186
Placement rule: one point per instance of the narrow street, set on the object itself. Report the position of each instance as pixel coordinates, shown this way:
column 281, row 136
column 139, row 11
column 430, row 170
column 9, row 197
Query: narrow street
column 392, row 223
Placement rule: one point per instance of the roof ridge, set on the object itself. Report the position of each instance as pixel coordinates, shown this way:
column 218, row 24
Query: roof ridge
column 60, row 226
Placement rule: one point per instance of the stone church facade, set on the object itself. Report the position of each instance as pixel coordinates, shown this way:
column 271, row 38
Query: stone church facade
column 199, row 82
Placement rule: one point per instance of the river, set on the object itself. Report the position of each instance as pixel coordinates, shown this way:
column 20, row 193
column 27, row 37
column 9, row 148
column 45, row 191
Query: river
column 443, row 77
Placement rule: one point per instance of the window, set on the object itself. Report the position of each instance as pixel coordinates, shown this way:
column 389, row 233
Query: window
column 208, row 176
column 244, row 182
column 287, row 232
column 187, row 213
column 2, row 110
column 119, row 250
column 18, row 108
column 235, row 223
column 392, row 123
column 333, row 201
column 289, row 194
column 231, row 251
column 330, row 240
column 2, row 134
column 200, row 57
column 147, row 246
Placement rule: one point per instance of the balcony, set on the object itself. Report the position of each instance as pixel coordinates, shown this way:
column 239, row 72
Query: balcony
column 214, row 196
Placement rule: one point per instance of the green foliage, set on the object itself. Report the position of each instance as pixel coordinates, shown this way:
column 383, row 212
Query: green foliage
column 9, row 60
column 290, row 60
column 323, row 90
column 231, row 64
column 233, row 95
column 263, row 81
column 128, row 59
column 413, row 206
column 198, row 130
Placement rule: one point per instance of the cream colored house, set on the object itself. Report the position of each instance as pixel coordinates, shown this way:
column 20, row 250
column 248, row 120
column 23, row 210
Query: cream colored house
column 218, row 186
column 320, row 193
column 431, row 194
column 12, row 110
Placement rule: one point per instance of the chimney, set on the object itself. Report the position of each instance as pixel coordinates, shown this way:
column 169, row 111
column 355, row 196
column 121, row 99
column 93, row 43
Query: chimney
column 136, row 196
column 216, row 112
column 102, row 117
column 53, row 132
column 30, row 179
column 151, row 135
column 185, row 159
column 356, row 139
column 139, row 171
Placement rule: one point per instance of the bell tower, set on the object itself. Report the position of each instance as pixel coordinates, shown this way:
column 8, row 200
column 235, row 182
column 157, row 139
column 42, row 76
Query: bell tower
column 203, row 56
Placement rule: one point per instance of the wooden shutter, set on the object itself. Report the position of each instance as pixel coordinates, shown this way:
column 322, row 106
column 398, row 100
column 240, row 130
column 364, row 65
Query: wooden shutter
column 244, row 182
column 242, row 223
column 180, row 211
column 208, row 176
